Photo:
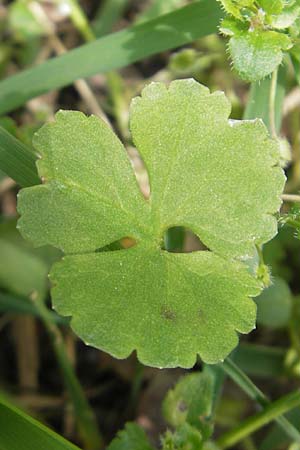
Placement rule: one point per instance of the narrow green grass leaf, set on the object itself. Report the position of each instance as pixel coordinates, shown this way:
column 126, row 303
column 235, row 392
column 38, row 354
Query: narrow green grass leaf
column 23, row 268
column 21, row 272
column 17, row 160
column 276, row 438
column 18, row 305
column 258, row 102
column 107, row 15
column 241, row 379
column 260, row 360
column 271, row 412
column 112, row 52
column 21, row 432
column 157, row 8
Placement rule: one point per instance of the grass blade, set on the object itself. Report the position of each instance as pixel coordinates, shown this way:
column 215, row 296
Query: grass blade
column 241, row 379
column 107, row 15
column 260, row 360
column 84, row 414
column 157, row 8
column 17, row 305
column 17, row 160
column 276, row 438
column 270, row 412
column 21, row 432
column 112, row 52
column 258, row 103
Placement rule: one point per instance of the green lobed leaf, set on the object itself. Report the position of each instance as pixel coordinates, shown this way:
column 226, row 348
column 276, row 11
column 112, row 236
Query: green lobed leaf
column 132, row 437
column 218, row 178
column 258, row 53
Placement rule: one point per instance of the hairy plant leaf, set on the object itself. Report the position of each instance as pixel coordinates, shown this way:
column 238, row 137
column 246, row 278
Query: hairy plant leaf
column 260, row 32
column 271, row 7
column 185, row 437
column 231, row 7
column 236, row 8
column 292, row 219
column 191, row 401
column 229, row 26
column 257, row 54
column 218, row 178
column 287, row 17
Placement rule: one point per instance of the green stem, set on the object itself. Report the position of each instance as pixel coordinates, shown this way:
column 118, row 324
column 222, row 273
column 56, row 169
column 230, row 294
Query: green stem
column 218, row 377
column 114, row 81
column 272, row 100
column 241, row 379
column 80, row 21
column 271, row 412
column 83, row 412
column 262, row 272
column 107, row 15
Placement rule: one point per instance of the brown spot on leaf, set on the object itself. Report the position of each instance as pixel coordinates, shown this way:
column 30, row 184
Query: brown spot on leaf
column 201, row 315
column 167, row 313
column 182, row 406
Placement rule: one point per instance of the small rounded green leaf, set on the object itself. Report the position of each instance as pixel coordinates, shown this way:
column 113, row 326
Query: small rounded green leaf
column 287, row 17
column 271, row 7
column 256, row 54
column 185, row 437
column 231, row 8
column 132, row 437
column 230, row 26
column 191, row 402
